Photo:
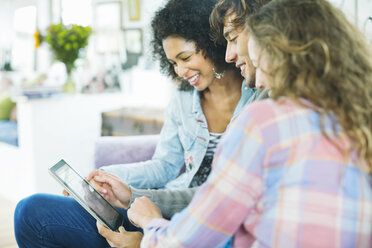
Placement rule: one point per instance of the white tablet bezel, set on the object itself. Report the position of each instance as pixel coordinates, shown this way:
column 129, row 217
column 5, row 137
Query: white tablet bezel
column 52, row 171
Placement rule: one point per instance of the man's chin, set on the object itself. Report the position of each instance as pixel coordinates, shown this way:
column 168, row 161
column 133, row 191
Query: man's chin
column 251, row 80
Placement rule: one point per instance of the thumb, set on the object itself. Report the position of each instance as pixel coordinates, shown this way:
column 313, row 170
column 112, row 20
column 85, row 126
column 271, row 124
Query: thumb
column 122, row 230
column 101, row 229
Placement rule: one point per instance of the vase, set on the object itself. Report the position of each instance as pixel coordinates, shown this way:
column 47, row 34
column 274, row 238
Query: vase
column 69, row 86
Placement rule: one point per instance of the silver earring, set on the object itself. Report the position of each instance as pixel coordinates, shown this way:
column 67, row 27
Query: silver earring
column 218, row 75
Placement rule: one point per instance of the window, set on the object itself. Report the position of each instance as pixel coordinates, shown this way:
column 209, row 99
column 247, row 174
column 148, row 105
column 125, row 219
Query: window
column 108, row 27
column 23, row 52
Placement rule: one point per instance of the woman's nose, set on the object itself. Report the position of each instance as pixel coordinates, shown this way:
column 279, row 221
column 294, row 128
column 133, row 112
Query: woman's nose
column 181, row 71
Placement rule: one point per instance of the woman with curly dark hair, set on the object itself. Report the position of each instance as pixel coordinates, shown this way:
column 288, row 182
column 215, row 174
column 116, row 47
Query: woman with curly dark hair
column 211, row 93
column 191, row 25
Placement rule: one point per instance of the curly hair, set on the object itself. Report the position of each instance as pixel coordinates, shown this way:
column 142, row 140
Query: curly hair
column 241, row 8
column 188, row 19
column 316, row 54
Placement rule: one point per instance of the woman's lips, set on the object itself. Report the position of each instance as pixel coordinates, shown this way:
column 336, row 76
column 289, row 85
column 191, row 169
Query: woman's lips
column 194, row 80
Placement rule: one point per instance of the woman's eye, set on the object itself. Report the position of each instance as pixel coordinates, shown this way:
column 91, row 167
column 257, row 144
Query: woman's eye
column 187, row 58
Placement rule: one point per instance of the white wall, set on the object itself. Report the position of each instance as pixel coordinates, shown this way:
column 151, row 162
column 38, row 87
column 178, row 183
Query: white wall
column 361, row 8
column 6, row 20
column 357, row 11
column 7, row 33
column 148, row 8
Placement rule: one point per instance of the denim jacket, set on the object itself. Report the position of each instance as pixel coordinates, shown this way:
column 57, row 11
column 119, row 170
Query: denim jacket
column 183, row 141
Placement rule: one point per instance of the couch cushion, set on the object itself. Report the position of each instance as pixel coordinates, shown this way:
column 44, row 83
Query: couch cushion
column 124, row 149
column 6, row 106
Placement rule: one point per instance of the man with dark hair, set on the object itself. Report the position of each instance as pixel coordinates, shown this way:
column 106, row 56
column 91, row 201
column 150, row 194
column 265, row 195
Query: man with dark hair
column 228, row 23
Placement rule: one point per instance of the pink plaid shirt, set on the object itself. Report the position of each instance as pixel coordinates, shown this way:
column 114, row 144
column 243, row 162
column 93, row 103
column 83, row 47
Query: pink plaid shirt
column 276, row 182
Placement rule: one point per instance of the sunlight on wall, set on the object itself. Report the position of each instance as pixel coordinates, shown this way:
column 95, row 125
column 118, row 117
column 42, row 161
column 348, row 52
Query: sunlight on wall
column 25, row 19
column 359, row 12
column 23, row 47
column 77, row 12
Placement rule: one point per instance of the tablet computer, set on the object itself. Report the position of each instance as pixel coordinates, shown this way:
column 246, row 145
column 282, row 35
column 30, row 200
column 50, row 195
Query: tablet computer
column 88, row 197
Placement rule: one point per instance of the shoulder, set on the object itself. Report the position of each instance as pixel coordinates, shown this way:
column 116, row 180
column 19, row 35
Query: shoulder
column 180, row 102
column 180, row 96
column 270, row 111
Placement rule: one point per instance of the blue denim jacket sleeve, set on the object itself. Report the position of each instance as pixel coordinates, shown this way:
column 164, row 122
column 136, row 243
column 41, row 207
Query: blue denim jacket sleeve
column 167, row 161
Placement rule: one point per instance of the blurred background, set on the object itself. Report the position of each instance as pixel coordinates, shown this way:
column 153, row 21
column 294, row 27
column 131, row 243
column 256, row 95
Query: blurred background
column 65, row 65
column 73, row 71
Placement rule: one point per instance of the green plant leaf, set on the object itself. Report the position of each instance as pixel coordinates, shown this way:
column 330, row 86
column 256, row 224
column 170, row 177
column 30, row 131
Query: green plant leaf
column 67, row 41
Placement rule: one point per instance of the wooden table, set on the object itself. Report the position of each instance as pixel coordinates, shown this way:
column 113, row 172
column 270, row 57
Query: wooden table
column 132, row 121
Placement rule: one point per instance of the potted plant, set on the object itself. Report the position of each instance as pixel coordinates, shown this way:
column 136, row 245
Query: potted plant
column 66, row 42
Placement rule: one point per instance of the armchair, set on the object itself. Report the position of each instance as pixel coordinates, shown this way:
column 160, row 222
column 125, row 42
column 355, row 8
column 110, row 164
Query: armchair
column 124, row 149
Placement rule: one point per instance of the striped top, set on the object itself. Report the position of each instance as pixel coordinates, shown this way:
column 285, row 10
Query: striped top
column 214, row 139
column 206, row 166
column 276, row 182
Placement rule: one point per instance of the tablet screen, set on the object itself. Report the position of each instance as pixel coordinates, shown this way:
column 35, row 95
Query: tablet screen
column 87, row 194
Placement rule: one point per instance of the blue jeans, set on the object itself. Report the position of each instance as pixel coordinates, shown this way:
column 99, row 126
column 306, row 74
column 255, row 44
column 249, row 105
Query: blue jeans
column 43, row 220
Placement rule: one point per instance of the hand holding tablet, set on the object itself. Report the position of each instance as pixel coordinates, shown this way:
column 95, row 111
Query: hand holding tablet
column 111, row 187
column 87, row 196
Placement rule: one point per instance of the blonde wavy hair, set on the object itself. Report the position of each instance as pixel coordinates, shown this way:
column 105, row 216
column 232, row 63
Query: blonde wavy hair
column 316, row 54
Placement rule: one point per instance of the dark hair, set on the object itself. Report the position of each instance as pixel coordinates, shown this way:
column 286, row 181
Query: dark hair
column 241, row 8
column 188, row 19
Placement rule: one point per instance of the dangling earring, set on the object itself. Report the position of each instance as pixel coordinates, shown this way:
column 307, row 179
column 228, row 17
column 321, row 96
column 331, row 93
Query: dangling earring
column 218, row 75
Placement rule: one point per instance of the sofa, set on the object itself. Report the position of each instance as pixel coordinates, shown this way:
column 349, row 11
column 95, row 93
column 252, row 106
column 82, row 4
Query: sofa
column 124, row 149
column 9, row 132
column 8, row 123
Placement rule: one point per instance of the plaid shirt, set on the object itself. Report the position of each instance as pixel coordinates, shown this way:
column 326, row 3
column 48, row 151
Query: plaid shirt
column 276, row 182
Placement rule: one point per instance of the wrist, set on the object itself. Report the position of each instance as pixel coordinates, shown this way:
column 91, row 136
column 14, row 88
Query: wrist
column 145, row 222
column 128, row 198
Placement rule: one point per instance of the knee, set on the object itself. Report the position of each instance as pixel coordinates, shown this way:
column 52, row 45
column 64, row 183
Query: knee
column 27, row 209
column 28, row 220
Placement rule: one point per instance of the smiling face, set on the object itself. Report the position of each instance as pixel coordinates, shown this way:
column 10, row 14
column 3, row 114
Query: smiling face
column 236, row 50
column 189, row 64
column 260, row 63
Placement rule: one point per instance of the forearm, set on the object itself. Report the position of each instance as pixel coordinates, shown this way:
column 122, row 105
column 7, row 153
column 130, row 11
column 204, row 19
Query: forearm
column 187, row 229
column 147, row 174
column 169, row 201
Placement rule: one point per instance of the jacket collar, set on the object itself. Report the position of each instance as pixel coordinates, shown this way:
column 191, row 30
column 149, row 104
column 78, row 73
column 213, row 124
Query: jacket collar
column 196, row 107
